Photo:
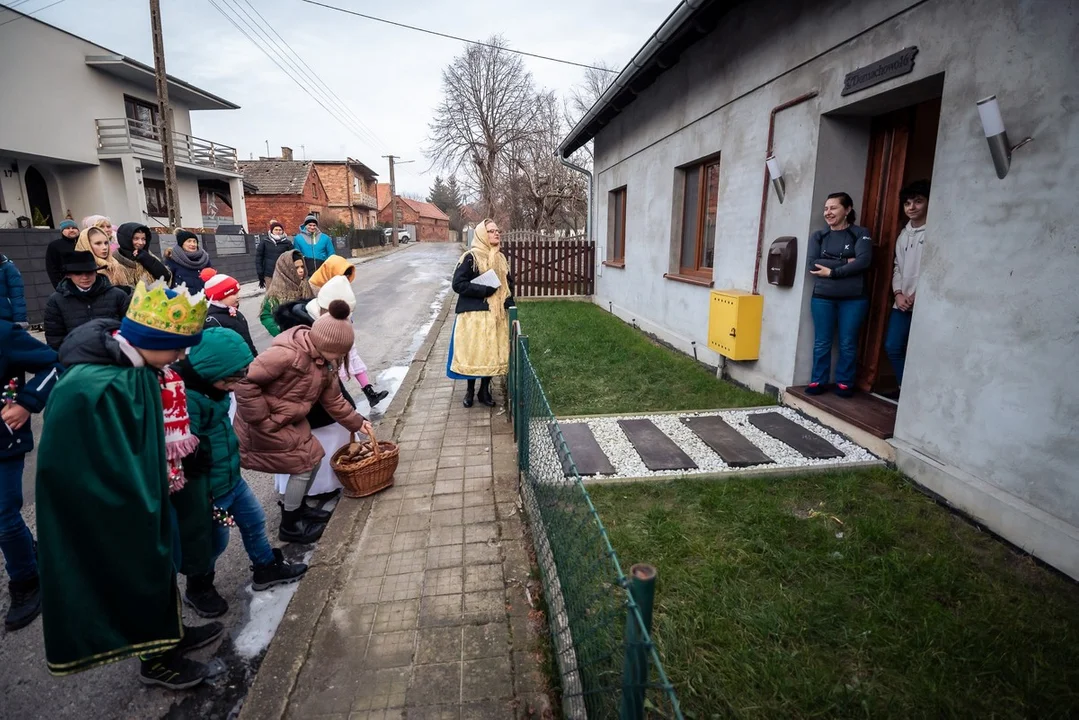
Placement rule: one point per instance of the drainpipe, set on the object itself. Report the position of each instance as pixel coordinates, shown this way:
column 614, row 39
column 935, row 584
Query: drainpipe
column 764, row 195
column 588, row 176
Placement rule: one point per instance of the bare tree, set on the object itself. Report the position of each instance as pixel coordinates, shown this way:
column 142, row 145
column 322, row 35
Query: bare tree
column 583, row 96
column 487, row 108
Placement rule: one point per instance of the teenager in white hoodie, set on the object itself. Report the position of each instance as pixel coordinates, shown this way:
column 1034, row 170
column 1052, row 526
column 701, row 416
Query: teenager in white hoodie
column 907, row 267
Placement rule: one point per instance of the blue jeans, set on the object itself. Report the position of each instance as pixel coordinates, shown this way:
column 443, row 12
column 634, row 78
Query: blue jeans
column 848, row 314
column 247, row 511
column 895, row 342
column 15, row 539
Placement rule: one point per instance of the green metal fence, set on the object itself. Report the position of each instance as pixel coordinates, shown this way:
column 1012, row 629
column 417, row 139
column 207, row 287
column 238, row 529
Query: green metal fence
column 600, row 620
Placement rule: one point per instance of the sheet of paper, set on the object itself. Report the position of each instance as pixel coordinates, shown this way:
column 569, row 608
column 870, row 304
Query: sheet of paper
column 488, row 279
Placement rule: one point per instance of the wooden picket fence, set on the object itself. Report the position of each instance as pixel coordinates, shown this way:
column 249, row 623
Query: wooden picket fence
column 551, row 267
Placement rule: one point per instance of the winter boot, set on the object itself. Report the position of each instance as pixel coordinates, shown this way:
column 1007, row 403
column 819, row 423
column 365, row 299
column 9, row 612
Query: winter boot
column 374, row 397
column 470, row 391
column 198, row 637
column 25, row 603
column 277, row 572
column 313, row 514
column 297, row 529
column 201, row 595
column 172, row 670
column 485, row 393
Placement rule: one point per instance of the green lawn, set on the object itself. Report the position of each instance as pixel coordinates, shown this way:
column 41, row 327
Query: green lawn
column 764, row 611
column 592, row 363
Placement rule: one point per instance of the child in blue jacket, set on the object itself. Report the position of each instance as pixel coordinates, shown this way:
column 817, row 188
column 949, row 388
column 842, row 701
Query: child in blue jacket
column 20, row 353
column 314, row 245
column 12, row 295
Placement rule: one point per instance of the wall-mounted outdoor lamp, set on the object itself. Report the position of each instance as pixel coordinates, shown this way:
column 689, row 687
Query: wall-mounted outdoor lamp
column 776, row 173
column 997, row 136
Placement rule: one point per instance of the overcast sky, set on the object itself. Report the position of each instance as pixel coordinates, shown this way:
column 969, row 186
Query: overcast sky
column 387, row 76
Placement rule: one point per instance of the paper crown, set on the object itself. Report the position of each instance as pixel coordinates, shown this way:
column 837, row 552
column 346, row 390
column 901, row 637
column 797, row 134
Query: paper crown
column 168, row 311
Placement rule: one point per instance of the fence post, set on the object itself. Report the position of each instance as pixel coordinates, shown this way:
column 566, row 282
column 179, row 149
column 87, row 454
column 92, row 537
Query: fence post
column 642, row 588
column 523, row 415
column 511, row 386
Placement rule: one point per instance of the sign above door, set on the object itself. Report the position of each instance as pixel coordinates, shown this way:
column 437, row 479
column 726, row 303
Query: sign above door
column 890, row 67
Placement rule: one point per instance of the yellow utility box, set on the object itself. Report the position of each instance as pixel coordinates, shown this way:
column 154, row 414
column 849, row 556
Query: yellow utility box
column 734, row 324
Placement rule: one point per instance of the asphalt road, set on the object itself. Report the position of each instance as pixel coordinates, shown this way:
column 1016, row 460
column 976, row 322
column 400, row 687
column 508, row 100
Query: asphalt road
column 398, row 297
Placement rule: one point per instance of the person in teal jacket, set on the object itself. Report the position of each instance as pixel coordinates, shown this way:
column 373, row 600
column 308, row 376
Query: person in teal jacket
column 315, row 245
column 210, row 370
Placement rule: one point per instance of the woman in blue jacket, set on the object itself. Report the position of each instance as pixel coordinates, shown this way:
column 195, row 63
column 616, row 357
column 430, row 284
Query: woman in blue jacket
column 839, row 258
column 12, row 293
column 315, row 245
column 186, row 262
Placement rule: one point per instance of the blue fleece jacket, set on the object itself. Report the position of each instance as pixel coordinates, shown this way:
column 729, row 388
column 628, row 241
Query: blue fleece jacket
column 317, row 249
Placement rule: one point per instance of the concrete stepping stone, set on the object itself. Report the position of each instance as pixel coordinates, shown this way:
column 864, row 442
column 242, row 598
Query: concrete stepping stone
column 587, row 455
column 808, row 443
column 657, row 450
column 735, row 448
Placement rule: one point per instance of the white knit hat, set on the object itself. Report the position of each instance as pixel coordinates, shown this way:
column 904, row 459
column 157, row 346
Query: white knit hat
column 336, row 288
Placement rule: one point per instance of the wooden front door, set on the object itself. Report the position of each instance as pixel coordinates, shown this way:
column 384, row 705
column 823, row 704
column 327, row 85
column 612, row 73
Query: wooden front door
column 883, row 217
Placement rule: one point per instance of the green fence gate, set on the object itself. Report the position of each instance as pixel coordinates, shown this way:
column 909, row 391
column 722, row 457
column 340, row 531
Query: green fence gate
column 600, row 620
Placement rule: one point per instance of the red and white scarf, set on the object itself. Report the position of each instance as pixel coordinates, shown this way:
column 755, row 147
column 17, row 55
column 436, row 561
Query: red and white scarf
column 179, row 442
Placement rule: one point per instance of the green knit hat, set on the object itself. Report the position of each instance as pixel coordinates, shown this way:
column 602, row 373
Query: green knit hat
column 221, row 354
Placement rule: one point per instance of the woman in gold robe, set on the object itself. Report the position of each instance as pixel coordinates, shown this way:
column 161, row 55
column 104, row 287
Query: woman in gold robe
column 480, row 345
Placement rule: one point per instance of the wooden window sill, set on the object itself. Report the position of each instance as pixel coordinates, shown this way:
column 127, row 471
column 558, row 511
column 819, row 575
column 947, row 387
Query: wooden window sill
column 621, row 264
column 690, row 279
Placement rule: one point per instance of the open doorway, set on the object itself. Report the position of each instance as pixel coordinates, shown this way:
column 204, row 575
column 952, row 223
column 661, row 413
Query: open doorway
column 37, row 196
column 901, row 148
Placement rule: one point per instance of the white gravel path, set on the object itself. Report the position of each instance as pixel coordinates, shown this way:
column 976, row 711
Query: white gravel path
column 628, row 463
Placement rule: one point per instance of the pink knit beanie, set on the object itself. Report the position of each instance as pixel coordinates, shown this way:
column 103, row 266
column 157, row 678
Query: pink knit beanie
column 332, row 334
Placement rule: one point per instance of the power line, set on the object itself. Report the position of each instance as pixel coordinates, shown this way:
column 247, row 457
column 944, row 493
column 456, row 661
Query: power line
column 328, row 95
column 34, row 12
column 459, row 39
column 318, row 79
column 292, row 77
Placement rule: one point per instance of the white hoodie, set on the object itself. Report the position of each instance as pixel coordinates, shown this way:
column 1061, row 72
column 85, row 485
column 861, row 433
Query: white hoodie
column 908, row 260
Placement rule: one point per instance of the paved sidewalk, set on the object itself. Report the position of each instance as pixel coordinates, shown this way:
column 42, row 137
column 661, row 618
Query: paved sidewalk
column 416, row 603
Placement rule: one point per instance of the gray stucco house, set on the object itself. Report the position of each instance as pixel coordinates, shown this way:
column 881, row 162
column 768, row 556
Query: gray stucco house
column 865, row 97
column 79, row 134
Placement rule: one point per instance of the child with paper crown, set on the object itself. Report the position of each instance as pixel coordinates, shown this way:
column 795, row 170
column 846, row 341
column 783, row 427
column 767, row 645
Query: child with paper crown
column 105, row 531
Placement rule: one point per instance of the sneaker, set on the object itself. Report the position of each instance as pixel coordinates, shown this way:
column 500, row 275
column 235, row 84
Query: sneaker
column 173, row 671
column 201, row 596
column 814, row 389
column 197, row 637
column 844, row 390
column 277, row 572
column 25, row 603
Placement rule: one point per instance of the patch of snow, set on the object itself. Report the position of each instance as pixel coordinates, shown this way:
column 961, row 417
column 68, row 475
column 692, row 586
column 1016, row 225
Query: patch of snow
column 264, row 615
column 390, row 380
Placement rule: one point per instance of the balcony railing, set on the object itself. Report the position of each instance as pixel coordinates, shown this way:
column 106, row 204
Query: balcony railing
column 124, row 135
column 362, row 199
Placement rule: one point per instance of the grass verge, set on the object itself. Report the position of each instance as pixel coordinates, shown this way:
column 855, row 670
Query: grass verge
column 592, row 363
column 847, row 594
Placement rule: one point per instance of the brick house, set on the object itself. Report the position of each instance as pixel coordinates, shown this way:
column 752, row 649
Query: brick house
column 285, row 190
column 350, row 191
column 432, row 225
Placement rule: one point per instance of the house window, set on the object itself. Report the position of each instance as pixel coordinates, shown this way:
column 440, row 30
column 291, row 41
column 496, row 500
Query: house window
column 616, row 226
column 156, row 205
column 700, row 203
column 356, row 184
column 142, row 117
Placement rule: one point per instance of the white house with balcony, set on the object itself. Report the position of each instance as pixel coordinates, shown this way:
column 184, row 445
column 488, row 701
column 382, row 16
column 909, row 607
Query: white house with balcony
column 79, row 136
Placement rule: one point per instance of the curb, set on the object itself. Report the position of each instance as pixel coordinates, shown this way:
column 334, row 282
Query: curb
column 269, row 694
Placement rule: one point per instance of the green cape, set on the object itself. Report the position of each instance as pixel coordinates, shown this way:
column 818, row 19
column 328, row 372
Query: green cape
column 104, row 533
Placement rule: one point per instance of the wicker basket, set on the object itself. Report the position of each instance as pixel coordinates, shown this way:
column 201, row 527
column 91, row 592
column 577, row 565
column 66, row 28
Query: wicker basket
column 371, row 472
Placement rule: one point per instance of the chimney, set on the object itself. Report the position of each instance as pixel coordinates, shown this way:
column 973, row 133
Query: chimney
column 286, row 153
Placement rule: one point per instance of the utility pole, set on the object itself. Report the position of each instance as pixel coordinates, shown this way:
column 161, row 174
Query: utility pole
column 164, row 111
column 393, row 194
